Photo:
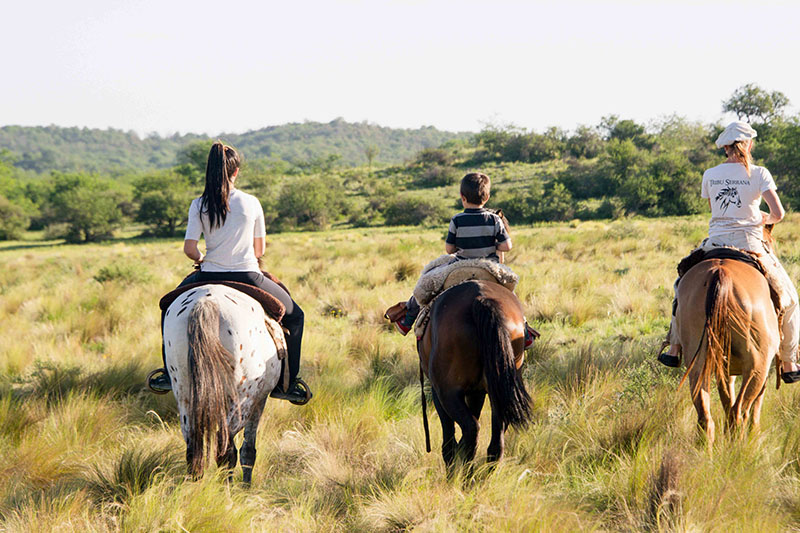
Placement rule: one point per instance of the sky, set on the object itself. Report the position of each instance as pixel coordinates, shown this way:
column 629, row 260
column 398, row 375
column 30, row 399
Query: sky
column 232, row 66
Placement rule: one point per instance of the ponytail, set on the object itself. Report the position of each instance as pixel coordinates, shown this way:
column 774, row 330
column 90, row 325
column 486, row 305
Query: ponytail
column 222, row 164
column 738, row 152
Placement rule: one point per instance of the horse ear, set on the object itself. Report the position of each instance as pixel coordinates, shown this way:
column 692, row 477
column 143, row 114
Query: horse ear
column 499, row 212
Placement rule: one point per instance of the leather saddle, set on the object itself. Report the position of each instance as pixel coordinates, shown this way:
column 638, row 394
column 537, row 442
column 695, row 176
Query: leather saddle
column 735, row 254
column 718, row 253
column 272, row 306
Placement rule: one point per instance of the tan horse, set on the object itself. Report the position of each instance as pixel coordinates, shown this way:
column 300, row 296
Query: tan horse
column 727, row 326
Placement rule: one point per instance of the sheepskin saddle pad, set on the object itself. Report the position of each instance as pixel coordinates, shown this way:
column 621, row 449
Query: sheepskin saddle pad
column 272, row 306
column 447, row 271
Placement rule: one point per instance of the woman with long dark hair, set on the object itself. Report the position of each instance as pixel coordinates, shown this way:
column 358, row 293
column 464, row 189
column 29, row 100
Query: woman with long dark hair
column 232, row 222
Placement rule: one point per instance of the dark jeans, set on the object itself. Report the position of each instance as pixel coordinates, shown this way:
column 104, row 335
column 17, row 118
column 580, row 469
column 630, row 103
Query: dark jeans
column 293, row 319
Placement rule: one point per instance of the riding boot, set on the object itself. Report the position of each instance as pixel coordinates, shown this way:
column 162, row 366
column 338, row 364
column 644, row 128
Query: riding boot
column 158, row 380
column 298, row 391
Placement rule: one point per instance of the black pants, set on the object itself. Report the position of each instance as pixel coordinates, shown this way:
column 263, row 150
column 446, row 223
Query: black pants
column 293, row 319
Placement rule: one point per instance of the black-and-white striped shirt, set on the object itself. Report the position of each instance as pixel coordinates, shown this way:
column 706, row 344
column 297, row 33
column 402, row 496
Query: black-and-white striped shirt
column 476, row 233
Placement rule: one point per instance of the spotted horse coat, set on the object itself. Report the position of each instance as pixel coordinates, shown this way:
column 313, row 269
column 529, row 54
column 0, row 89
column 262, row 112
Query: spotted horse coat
column 248, row 369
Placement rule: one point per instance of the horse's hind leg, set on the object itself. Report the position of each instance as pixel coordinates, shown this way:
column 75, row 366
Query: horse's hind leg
column 497, row 444
column 226, row 455
column 247, row 455
column 750, row 397
column 727, row 393
column 702, row 404
column 455, row 404
column 448, row 433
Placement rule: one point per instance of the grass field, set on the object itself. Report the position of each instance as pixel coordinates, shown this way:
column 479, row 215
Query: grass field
column 613, row 446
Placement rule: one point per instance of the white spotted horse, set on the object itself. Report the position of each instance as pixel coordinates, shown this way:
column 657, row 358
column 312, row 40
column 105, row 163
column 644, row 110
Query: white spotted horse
column 223, row 363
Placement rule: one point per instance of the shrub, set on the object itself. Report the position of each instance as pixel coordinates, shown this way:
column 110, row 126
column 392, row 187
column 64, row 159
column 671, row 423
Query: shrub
column 407, row 210
column 13, row 220
column 437, row 176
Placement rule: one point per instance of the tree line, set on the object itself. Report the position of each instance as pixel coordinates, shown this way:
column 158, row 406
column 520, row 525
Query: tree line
column 615, row 168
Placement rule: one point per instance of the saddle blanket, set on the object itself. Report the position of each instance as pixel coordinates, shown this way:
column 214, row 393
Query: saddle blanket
column 433, row 277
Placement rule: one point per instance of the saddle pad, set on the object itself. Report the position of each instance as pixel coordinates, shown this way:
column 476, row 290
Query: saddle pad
column 467, row 273
column 272, row 306
column 437, row 271
column 722, row 252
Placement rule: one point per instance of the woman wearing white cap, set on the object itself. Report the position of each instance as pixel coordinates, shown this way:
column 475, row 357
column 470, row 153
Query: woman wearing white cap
column 734, row 191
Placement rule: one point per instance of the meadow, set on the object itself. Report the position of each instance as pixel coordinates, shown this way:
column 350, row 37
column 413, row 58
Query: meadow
column 613, row 445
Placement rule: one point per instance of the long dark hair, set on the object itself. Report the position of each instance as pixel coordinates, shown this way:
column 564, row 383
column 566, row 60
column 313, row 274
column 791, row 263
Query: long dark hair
column 222, row 164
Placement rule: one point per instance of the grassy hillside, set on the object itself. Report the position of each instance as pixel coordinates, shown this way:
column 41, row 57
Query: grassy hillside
column 613, row 445
column 46, row 148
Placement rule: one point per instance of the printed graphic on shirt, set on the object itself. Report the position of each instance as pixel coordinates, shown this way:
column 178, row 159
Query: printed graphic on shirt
column 728, row 196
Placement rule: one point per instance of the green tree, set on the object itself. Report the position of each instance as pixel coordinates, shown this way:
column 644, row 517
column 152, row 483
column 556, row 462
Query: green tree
column 89, row 207
column 163, row 201
column 750, row 102
column 309, row 202
column 191, row 161
column 371, row 151
column 13, row 220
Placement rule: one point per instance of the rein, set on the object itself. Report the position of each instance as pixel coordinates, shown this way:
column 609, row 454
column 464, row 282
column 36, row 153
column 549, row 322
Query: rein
column 424, row 409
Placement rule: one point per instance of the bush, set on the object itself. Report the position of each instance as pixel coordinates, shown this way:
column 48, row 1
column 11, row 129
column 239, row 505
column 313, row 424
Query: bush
column 13, row 220
column 437, row 176
column 310, row 202
column 408, row 211
column 126, row 273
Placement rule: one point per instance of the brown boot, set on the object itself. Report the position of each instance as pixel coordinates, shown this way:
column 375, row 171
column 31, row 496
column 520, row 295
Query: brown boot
column 395, row 312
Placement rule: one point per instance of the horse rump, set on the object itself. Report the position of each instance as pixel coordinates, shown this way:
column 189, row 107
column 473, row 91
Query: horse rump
column 211, row 372
column 505, row 386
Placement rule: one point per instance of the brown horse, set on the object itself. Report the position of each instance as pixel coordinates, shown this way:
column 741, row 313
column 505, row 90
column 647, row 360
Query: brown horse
column 726, row 320
column 474, row 346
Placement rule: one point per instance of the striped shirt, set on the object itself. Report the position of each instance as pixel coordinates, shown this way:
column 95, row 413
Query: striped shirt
column 476, row 233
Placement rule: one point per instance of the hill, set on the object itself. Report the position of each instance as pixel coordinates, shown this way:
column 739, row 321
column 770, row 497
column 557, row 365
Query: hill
column 46, row 148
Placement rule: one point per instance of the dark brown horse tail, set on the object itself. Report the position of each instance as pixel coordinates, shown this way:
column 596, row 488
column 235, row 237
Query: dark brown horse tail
column 720, row 308
column 424, row 410
column 212, row 384
column 506, row 389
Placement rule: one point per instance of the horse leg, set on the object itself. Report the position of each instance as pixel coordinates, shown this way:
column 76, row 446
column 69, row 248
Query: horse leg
column 497, row 444
column 755, row 421
column 726, row 395
column 455, row 404
column 702, row 404
column 752, row 389
column 448, row 433
column 226, row 457
column 247, row 454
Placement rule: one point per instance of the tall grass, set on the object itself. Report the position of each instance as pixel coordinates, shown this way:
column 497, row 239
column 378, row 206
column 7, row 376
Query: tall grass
column 613, row 444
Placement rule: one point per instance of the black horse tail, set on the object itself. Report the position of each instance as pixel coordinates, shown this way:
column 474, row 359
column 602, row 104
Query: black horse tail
column 507, row 392
column 212, row 385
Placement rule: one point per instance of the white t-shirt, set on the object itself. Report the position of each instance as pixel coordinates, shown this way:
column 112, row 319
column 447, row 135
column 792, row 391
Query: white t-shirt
column 229, row 248
column 735, row 197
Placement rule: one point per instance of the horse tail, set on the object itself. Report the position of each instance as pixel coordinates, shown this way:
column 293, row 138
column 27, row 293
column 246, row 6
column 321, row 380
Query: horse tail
column 212, row 384
column 506, row 389
column 721, row 310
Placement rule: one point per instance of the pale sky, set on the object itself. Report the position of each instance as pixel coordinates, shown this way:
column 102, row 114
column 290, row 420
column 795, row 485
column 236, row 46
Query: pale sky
column 233, row 66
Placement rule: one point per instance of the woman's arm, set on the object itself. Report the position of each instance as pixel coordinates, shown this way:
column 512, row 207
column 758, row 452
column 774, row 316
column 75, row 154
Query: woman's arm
column 258, row 246
column 776, row 211
column 450, row 248
column 192, row 251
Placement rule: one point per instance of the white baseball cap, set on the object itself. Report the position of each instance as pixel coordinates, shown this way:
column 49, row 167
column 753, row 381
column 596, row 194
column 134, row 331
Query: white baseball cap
column 736, row 131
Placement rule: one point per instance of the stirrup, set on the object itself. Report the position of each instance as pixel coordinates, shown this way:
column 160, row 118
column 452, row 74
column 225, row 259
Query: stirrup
column 151, row 376
column 294, row 398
